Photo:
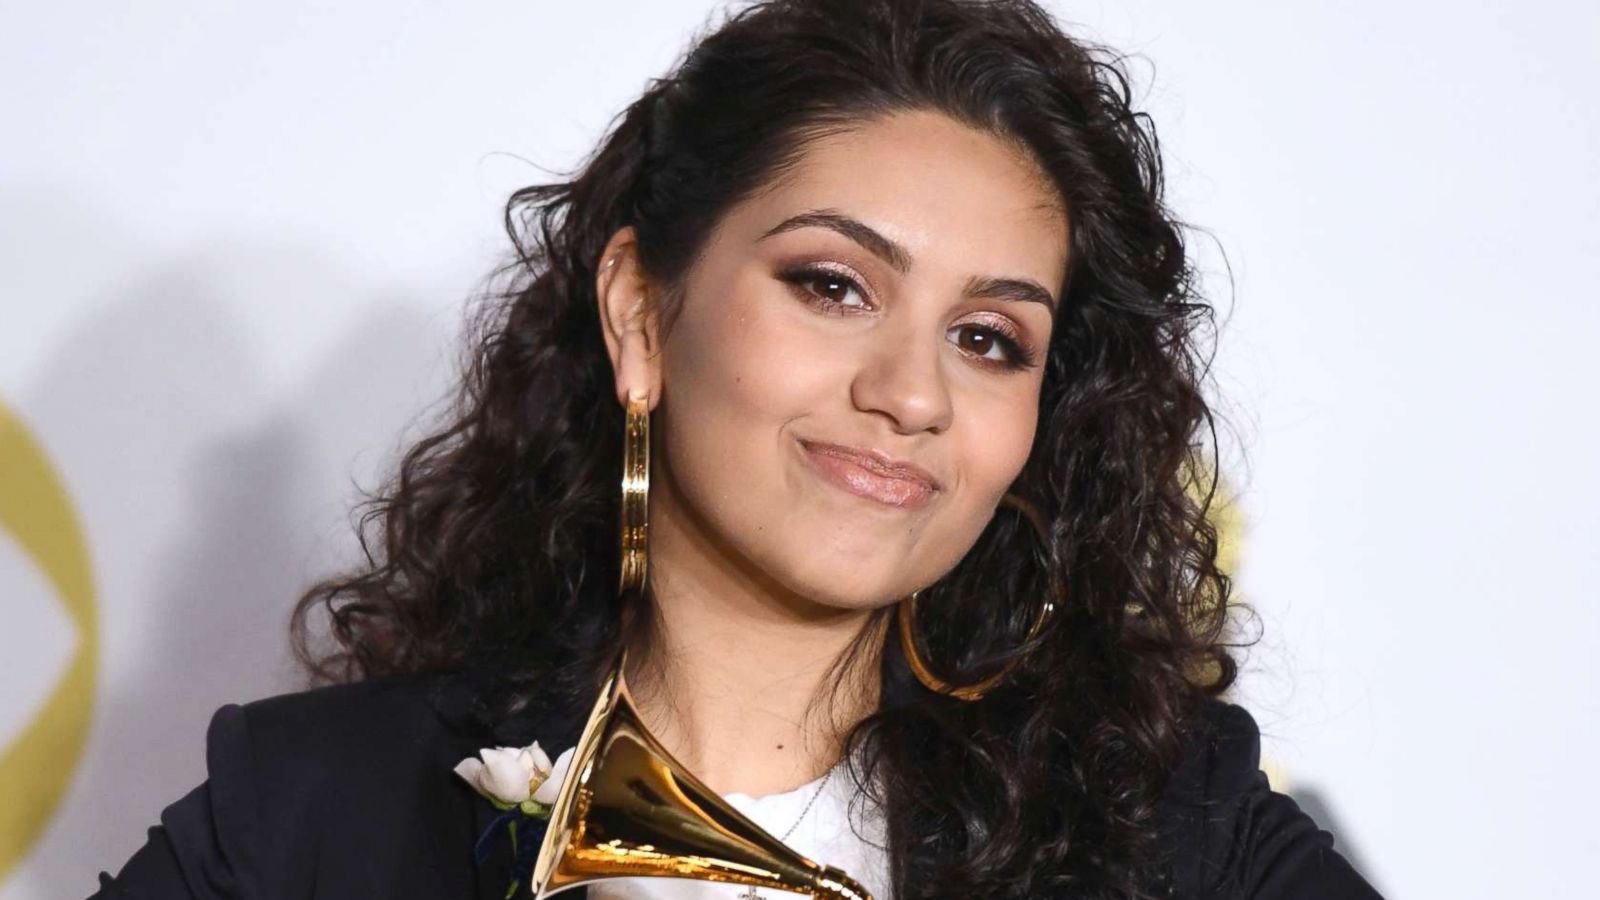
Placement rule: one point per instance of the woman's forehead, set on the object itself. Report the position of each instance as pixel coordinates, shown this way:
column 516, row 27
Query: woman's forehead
column 931, row 185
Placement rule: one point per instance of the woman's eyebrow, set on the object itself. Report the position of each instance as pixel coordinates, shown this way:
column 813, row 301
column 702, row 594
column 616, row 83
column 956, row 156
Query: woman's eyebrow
column 854, row 229
column 1019, row 289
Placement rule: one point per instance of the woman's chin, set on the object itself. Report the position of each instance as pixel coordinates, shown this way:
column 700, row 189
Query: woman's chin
column 828, row 597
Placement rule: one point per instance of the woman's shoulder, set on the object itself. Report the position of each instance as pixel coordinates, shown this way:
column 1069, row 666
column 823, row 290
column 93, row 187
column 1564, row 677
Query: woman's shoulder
column 341, row 746
column 337, row 787
column 350, row 714
column 321, row 728
column 1221, row 757
column 1229, row 834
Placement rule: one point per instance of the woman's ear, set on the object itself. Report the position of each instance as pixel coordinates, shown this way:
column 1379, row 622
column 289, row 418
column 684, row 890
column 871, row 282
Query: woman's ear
column 629, row 318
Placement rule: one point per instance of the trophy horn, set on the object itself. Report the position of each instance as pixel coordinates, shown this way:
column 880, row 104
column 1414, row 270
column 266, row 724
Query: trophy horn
column 628, row 809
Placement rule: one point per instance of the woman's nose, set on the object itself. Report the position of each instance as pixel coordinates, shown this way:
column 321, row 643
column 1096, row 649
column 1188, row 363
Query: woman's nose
column 902, row 378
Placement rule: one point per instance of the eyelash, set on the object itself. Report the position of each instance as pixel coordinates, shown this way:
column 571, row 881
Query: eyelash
column 1018, row 356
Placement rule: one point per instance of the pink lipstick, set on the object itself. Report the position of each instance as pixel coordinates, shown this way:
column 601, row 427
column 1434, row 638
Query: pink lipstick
column 870, row 474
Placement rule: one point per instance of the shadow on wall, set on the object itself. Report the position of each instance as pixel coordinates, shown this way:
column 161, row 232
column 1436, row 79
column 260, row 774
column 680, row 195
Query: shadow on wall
column 211, row 500
column 1315, row 805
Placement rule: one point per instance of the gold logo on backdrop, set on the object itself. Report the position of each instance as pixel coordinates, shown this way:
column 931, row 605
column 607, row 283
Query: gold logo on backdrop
column 36, row 766
column 1226, row 515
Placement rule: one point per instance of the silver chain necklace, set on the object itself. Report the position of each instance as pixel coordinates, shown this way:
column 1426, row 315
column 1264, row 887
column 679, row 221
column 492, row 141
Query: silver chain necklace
column 814, row 795
column 750, row 892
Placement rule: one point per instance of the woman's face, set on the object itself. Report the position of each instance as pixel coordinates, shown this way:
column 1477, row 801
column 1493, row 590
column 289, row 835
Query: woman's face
column 891, row 299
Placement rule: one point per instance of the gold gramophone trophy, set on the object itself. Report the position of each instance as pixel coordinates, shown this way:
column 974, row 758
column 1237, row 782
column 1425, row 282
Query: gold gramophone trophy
column 627, row 808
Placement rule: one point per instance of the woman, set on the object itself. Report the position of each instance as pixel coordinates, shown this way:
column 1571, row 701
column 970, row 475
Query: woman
column 930, row 588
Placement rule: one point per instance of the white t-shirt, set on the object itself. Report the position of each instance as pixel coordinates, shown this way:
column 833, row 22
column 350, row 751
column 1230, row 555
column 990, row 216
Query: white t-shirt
column 827, row 835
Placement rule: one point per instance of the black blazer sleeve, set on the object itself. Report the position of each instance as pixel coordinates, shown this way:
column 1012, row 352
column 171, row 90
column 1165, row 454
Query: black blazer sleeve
column 1243, row 840
column 338, row 792
column 201, row 848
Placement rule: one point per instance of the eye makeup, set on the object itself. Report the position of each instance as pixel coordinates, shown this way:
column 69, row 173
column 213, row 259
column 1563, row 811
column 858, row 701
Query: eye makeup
column 802, row 278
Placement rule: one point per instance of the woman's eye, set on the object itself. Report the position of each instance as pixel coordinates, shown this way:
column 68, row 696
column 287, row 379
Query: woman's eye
column 990, row 344
column 827, row 287
column 832, row 291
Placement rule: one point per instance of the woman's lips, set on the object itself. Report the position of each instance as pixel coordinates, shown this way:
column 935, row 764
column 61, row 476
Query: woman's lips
column 863, row 476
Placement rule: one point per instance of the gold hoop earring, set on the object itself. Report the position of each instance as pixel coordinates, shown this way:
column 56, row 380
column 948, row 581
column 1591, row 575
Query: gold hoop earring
column 907, row 622
column 635, row 494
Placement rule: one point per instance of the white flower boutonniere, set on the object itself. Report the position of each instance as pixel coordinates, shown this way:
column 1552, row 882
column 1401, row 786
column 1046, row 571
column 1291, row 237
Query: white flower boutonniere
column 522, row 783
column 520, row 777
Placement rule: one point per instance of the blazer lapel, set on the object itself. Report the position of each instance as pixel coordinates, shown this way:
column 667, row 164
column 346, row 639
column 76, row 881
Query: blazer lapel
column 462, row 703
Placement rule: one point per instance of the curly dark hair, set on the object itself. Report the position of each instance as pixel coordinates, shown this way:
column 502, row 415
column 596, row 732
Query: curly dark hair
column 496, row 540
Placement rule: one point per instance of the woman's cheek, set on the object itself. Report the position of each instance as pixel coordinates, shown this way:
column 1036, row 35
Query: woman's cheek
column 778, row 367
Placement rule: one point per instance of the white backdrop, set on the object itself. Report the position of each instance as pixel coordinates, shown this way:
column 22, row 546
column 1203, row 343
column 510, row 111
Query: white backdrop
column 235, row 243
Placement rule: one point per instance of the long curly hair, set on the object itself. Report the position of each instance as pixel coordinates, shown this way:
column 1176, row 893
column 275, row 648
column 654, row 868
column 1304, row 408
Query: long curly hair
column 496, row 539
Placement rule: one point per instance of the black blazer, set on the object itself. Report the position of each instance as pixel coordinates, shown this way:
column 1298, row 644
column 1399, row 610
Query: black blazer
column 348, row 792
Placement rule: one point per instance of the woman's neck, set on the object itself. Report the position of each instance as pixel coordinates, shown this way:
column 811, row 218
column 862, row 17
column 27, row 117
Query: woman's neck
column 741, row 690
